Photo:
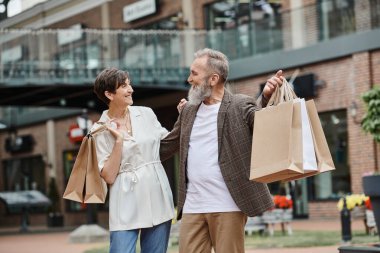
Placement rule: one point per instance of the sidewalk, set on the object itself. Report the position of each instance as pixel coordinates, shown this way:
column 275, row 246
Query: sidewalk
column 57, row 241
column 308, row 225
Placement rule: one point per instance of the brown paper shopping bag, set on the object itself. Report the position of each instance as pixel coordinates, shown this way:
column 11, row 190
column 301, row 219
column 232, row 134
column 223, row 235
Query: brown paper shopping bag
column 281, row 150
column 277, row 142
column 85, row 184
column 96, row 187
column 322, row 151
column 75, row 185
column 324, row 159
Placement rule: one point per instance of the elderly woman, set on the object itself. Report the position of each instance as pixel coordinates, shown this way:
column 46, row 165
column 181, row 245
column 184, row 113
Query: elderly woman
column 128, row 154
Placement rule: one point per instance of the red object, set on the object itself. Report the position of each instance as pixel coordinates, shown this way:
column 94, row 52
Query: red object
column 368, row 204
column 75, row 133
column 282, row 202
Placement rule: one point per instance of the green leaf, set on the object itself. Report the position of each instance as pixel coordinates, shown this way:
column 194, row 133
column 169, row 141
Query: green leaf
column 371, row 120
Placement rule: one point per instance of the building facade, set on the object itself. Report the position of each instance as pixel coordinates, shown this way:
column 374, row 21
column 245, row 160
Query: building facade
column 330, row 47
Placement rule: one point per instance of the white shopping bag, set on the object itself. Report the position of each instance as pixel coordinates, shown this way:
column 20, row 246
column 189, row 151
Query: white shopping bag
column 308, row 152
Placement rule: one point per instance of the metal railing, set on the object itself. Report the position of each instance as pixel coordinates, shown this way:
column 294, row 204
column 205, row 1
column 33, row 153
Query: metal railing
column 48, row 57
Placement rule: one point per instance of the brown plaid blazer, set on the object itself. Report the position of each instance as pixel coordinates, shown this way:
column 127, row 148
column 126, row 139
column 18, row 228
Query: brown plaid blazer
column 235, row 126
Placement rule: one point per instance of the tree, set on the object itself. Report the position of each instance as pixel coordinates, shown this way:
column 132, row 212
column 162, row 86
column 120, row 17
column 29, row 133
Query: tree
column 55, row 217
column 53, row 196
column 371, row 120
column 371, row 125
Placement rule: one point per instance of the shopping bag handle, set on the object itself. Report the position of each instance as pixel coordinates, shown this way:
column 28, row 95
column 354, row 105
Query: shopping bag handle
column 289, row 91
column 283, row 93
column 98, row 130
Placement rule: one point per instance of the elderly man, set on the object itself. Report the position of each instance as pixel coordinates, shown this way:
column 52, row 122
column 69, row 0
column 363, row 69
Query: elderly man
column 214, row 137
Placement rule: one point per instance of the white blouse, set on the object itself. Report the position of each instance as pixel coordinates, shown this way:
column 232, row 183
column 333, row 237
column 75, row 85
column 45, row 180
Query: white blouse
column 141, row 196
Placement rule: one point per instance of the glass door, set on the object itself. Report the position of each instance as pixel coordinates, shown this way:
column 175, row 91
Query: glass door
column 298, row 192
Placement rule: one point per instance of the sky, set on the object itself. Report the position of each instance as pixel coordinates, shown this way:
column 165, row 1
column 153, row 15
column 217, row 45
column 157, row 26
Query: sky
column 17, row 6
column 14, row 7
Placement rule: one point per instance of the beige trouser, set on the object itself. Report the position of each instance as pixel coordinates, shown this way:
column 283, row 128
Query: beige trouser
column 222, row 231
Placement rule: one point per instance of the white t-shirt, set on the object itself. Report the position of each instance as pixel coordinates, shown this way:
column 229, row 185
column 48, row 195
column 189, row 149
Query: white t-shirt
column 206, row 190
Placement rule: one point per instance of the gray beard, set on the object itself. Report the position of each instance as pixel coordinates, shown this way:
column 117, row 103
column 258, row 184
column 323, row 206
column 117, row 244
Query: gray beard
column 199, row 93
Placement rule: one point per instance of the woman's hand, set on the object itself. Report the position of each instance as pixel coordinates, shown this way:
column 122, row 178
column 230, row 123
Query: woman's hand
column 181, row 104
column 114, row 129
column 111, row 166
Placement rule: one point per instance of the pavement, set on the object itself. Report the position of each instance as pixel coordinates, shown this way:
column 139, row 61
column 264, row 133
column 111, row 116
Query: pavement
column 44, row 240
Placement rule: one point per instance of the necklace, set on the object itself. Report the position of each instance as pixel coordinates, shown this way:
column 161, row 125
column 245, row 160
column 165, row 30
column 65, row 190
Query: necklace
column 128, row 122
column 125, row 121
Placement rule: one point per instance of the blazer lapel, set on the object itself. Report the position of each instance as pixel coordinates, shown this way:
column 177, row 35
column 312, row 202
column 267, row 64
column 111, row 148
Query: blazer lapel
column 222, row 116
column 186, row 127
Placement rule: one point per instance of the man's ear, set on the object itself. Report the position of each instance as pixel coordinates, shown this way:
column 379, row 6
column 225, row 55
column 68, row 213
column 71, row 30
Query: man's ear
column 215, row 78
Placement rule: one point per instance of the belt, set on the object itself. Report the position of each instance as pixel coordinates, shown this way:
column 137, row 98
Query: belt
column 128, row 184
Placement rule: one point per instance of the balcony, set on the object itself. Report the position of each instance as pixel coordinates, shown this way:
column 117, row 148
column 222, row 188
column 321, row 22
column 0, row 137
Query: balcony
column 159, row 60
column 163, row 57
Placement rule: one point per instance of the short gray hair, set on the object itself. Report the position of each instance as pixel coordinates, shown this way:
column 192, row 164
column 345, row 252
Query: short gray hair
column 216, row 60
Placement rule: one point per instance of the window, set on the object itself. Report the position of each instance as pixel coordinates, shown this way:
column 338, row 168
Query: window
column 151, row 57
column 332, row 185
column 375, row 13
column 77, row 61
column 24, row 174
column 150, row 49
column 79, row 53
column 249, row 26
column 337, row 18
column 68, row 163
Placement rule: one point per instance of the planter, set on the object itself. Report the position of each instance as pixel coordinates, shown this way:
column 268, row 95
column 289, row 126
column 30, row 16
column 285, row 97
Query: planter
column 370, row 220
column 350, row 249
column 55, row 220
column 371, row 187
column 358, row 212
column 273, row 216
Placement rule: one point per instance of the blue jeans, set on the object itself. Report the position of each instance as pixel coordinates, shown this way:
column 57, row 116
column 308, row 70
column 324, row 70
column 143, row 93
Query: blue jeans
column 152, row 240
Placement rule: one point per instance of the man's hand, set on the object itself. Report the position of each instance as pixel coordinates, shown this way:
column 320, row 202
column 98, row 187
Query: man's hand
column 272, row 83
